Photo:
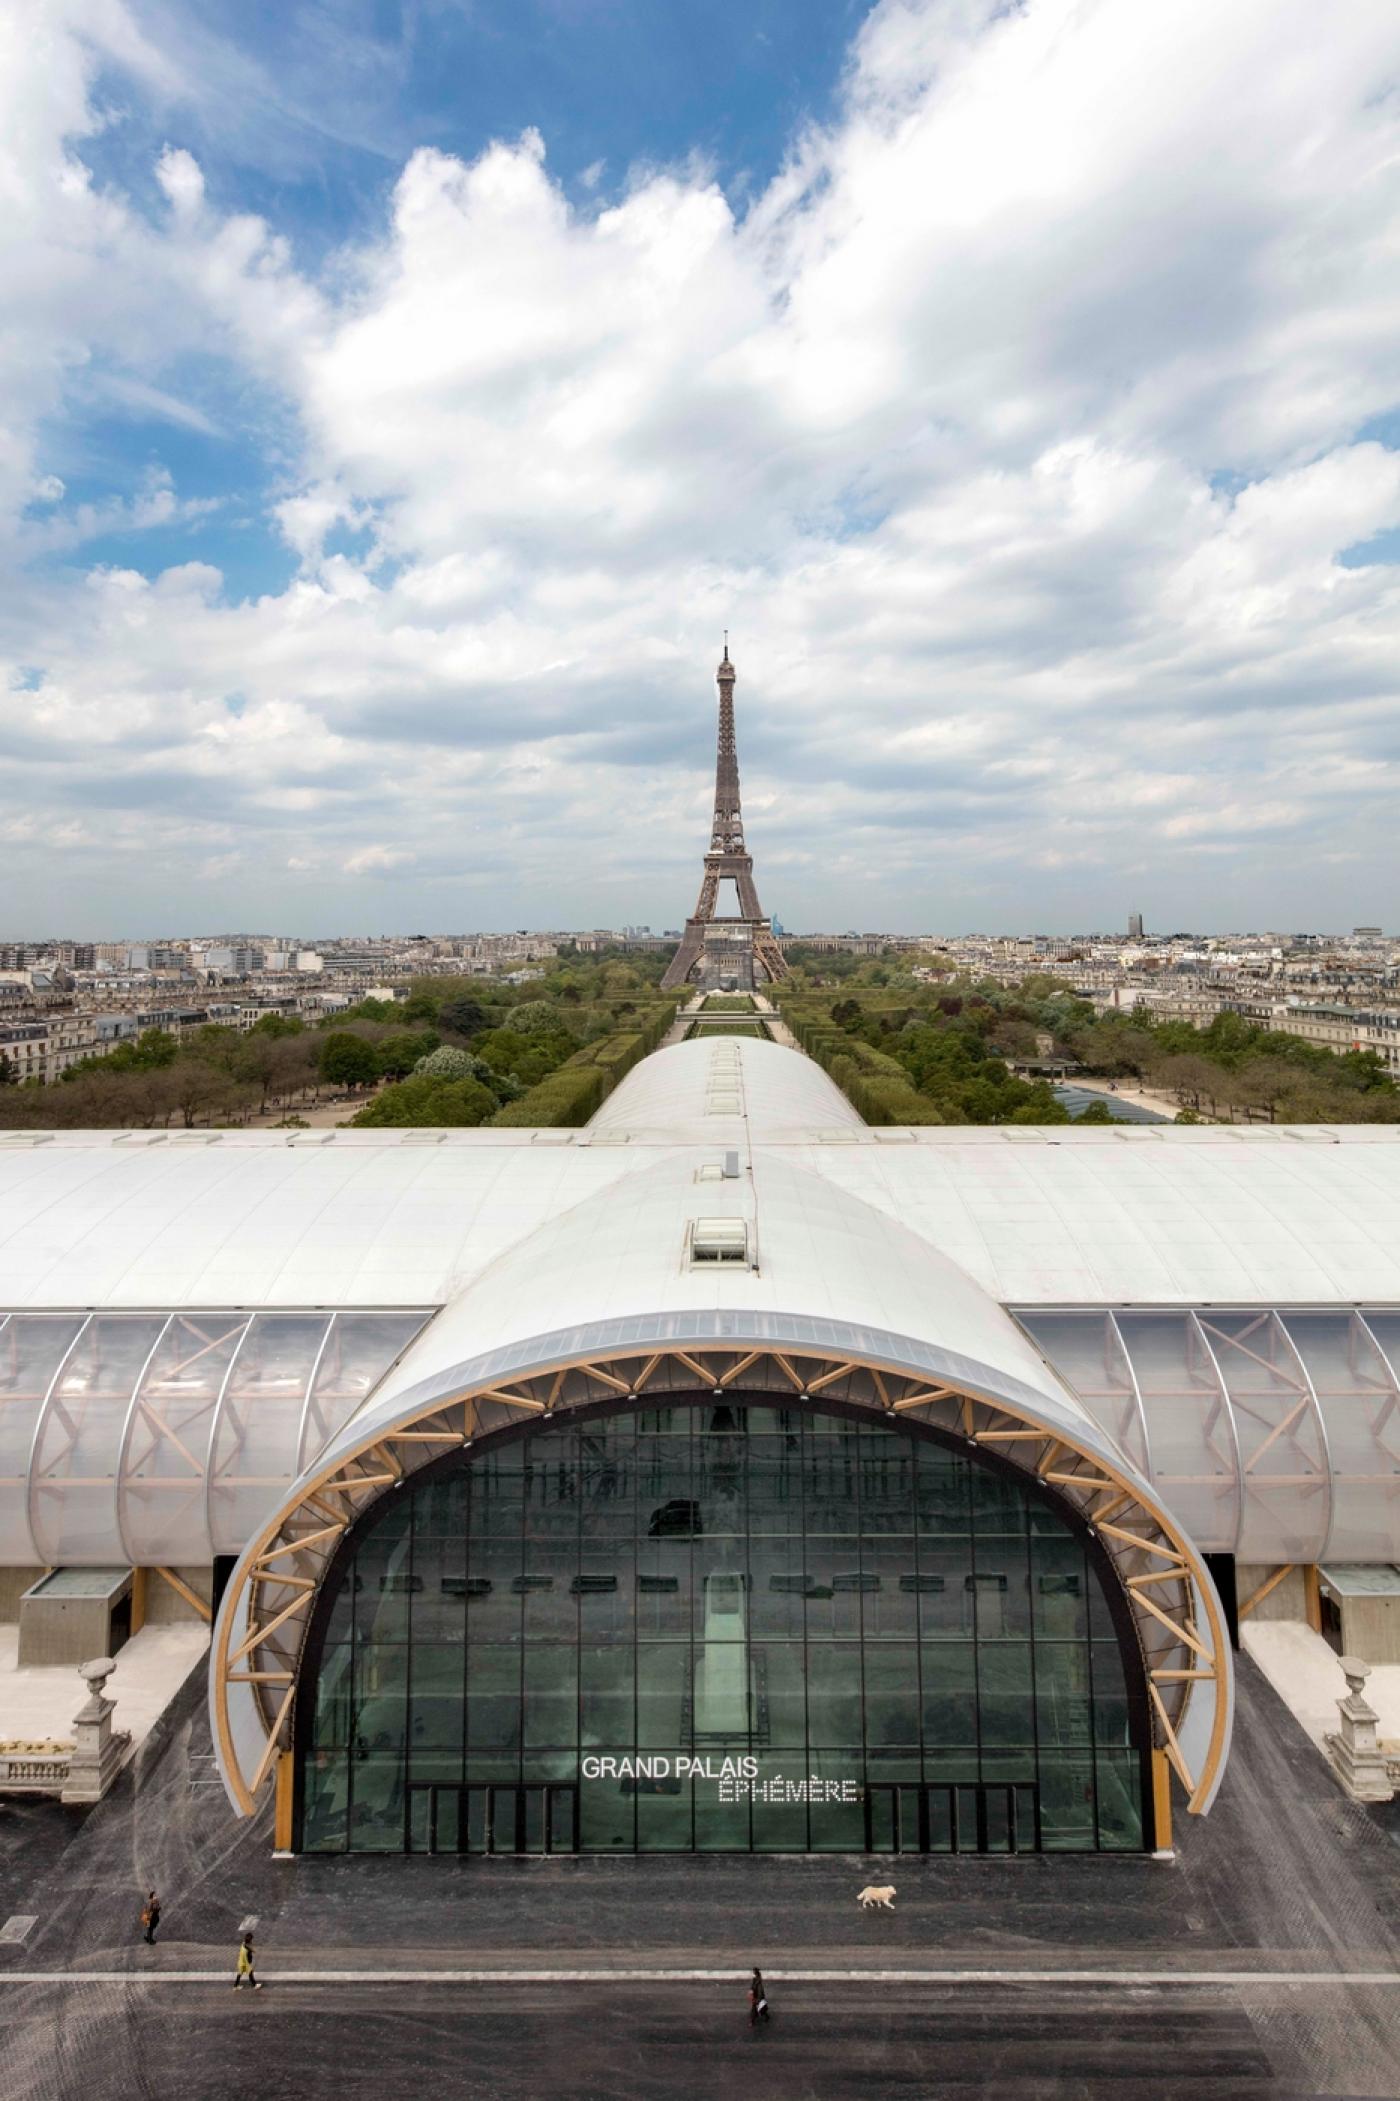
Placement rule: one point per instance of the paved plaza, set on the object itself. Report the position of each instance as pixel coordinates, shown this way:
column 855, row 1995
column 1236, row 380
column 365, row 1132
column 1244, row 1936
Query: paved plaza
column 1031, row 1976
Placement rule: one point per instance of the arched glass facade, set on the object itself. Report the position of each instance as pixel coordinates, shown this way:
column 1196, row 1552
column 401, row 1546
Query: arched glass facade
column 720, row 1626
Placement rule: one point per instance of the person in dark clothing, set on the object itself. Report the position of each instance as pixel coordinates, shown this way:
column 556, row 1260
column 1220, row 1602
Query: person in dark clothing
column 150, row 1917
column 758, row 2000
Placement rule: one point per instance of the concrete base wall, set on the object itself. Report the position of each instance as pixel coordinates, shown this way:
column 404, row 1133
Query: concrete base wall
column 1286, row 1601
column 1371, row 1629
column 14, row 1582
column 164, row 1605
column 57, row 1630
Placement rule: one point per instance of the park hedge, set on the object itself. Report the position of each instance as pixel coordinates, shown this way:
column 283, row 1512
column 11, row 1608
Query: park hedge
column 875, row 1084
column 574, row 1090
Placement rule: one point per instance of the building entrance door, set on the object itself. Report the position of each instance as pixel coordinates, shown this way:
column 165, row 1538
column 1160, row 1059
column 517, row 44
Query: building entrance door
column 990, row 1818
column 492, row 1819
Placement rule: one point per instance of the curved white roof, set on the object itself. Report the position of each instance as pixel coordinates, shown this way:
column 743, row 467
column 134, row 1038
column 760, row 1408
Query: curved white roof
column 1138, row 1214
column 622, row 1255
column 689, row 1088
column 517, row 1235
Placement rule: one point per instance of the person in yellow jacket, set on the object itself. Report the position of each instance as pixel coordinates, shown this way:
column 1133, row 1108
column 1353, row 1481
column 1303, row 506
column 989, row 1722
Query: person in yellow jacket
column 245, row 1965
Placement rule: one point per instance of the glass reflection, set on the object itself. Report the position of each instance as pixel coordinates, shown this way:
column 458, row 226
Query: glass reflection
column 713, row 1628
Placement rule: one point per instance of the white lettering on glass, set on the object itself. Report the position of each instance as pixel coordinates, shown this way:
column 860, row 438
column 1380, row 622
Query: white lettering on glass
column 736, row 1778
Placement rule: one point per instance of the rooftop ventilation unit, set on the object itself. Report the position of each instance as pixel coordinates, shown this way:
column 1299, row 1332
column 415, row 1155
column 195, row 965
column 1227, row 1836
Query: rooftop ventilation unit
column 719, row 1240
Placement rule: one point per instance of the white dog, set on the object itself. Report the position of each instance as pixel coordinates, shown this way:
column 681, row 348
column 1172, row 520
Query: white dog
column 877, row 1896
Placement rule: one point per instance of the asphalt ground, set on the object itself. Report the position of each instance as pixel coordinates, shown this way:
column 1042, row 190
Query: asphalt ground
column 1265, row 1961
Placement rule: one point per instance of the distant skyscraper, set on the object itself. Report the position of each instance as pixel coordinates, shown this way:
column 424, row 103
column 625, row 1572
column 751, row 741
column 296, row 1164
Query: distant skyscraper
column 1135, row 926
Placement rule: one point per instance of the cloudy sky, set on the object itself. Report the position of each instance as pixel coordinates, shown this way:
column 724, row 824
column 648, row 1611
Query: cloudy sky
column 399, row 397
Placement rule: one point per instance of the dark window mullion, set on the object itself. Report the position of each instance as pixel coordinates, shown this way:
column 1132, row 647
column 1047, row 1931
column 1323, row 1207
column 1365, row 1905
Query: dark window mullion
column 803, row 1443
column 351, row 1717
column 970, row 1514
column 1091, row 1577
column 408, row 1663
column 916, row 1541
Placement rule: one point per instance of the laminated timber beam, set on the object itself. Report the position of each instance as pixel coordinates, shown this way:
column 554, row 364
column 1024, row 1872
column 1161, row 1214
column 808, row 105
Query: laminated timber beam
column 1147, row 1548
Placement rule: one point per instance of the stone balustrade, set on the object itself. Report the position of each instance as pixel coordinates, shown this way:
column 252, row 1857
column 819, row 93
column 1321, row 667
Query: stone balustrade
column 34, row 1768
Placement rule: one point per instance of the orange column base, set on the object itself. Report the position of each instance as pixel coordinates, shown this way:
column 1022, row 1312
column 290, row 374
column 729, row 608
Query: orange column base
column 1162, row 1801
column 282, row 1804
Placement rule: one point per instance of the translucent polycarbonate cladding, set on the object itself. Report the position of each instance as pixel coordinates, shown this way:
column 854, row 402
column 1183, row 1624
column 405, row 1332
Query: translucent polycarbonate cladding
column 164, row 1437
column 1270, row 1434
column 31, row 1351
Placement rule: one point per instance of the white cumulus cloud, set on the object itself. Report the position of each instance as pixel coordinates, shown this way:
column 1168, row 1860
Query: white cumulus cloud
column 1034, row 432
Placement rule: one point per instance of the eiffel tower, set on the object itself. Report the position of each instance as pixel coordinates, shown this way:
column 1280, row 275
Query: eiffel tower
column 714, row 950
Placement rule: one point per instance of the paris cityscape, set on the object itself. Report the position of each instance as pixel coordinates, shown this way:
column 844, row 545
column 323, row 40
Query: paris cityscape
column 699, row 1050
column 67, row 1004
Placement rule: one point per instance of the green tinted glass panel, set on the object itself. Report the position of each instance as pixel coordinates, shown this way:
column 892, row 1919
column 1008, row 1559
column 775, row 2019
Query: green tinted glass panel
column 719, row 1626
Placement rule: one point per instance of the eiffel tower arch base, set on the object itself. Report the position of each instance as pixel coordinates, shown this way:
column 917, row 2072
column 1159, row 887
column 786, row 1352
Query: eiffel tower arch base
column 725, row 955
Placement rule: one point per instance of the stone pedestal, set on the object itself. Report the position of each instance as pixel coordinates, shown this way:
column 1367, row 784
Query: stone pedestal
column 98, row 1749
column 1355, row 1753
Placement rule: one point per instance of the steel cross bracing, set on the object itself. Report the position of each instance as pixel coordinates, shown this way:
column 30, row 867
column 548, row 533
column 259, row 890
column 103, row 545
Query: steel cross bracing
column 728, row 860
column 259, row 1637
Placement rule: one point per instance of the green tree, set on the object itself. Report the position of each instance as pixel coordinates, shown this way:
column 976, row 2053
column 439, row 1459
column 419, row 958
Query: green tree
column 149, row 1051
column 152, row 1049
column 257, row 1062
column 295, row 1068
column 1194, row 1079
column 538, row 1017
column 422, row 1101
column 371, row 1010
column 399, row 1052
column 346, row 1060
column 462, row 1016
column 450, row 1063
column 198, row 1088
column 1114, row 1047
column 1266, row 1083
column 215, row 1044
column 529, row 1058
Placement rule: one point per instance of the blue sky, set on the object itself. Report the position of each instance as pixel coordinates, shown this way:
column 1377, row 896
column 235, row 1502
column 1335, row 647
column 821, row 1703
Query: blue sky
column 329, row 101
column 397, row 400
column 336, row 97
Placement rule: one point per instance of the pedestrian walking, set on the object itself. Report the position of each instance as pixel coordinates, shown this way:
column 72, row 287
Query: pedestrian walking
column 150, row 1917
column 245, row 1964
column 758, row 2000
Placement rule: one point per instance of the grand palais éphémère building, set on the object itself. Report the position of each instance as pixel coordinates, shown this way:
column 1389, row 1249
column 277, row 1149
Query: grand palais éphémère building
column 726, row 1474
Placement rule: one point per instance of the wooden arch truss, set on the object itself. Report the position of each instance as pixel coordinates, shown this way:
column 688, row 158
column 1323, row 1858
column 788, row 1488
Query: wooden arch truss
column 263, row 1625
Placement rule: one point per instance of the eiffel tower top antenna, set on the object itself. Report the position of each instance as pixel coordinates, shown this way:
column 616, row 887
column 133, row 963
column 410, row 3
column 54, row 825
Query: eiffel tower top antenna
column 717, row 950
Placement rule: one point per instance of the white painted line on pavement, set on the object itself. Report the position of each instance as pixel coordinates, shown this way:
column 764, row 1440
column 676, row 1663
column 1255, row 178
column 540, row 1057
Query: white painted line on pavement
column 1135, row 1978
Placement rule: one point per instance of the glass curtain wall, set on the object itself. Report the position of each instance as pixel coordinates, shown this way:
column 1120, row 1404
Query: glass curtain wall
column 718, row 1627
